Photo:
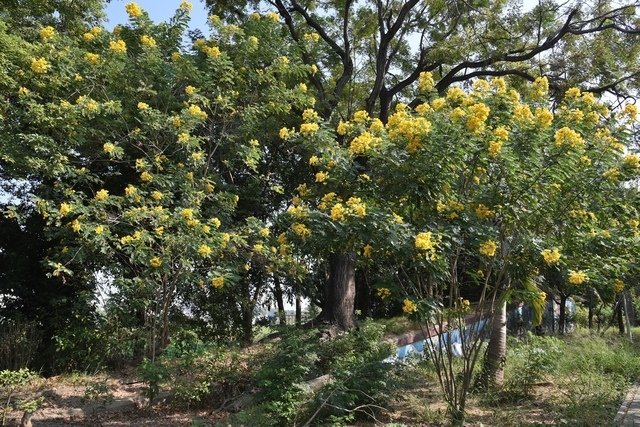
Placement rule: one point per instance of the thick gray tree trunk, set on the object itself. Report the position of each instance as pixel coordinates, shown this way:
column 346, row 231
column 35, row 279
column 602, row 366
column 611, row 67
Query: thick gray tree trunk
column 340, row 291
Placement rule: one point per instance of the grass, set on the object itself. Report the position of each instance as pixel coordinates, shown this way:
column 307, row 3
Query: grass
column 577, row 380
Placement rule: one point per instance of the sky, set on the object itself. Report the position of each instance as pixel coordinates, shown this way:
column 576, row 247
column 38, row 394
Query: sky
column 159, row 10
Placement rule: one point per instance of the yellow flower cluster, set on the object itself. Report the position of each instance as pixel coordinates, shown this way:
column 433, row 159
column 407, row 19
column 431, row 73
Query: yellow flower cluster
column 631, row 110
column 326, row 199
column 540, row 87
column 361, row 116
column 337, row 212
column 309, row 128
column 155, row 262
column 301, row 230
column 478, row 115
column 544, row 117
column 402, row 125
column 217, row 282
column 40, row 65
column 577, row 277
column 488, row 248
column 611, row 174
column 65, row 209
column 92, row 58
column 99, row 230
column 118, row 46
column 451, row 207
column 273, row 16
column 102, row 195
column 133, row 10
column 196, row 112
column 522, row 114
column 383, row 293
column 363, row 143
column 147, row 41
column 312, row 37
column 284, row 133
column 455, row 94
column 426, row 242
column 47, row 33
column 425, row 82
column 146, row 177
column 355, row 204
column 551, row 256
column 409, row 306
column 632, row 160
column 186, row 6
column 367, row 251
column 321, row 176
column 568, row 136
column 76, row 226
column 204, row 251
column 483, row 212
column 618, row 286
column 91, row 34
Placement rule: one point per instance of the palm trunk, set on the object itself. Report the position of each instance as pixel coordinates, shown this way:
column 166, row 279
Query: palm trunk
column 496, row 355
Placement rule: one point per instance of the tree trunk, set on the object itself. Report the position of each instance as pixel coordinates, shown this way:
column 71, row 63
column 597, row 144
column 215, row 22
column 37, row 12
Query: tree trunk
column 590, row 308
column 298, row 308
column 496, row 355
column 363, row 294
column 562, row 319
column 340, row 291
column 619, row 316
column 277, row 291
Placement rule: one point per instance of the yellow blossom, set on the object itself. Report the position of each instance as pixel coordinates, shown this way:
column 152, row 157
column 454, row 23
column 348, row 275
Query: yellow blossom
column 159, row 230
column 273, row 16
column 632, row 160
column 40, row 65
column 612, row 174
column 337, row 212
column 321, row 176
column 572, row 93
column 196, row 112
column 309, row 128
column 76, row 226
column 155, row 262
column 314, row 160
column 478, row 114
column 204, row 251
column 156, row 195
column 102, row 195
column 618, row 286
column 409, row 306
column 540, row 87
column 367, row 251
column 343, row 128
column 383, row 293
column 284, row 133
column 310, row 115
column 47, row 33
column 186, row 6
column 146, row 177
column 424, row 241
column 133, row 10
column 568, row 136
column 147, row 41
column 23, row 91
column 215, row 222
column 118, row 46
column 363, row 143
column 551, row 256
column 217, row 282
column 544, row 117
column 212, row 51
column 577, row 277
column 187, row 213
column 438, row 103
column 300, row 230
column 92, row 58
column 108, row 148
column 488, row 248
column 130, row 190
column 522, row 114
column 99, row 230
column 483, row 212
column 495, row 148
column 631, row 110
column 65, row 209
column 455, row 94
column 360, row 116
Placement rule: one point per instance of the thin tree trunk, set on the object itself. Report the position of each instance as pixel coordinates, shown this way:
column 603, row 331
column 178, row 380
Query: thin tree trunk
column 590, row 308
column 277, row 291
column 298, row 308
column 496, row 355
column 619, row 316
column 340, row 291
column 562, row 320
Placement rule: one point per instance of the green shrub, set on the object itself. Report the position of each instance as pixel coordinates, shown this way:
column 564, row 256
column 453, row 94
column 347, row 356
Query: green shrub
column 529, row 361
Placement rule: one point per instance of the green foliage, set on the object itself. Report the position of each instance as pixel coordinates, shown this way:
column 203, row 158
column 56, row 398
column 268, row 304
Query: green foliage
column 153, row 374
column 530, row 360
column 98, row 391
column 10, row 383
